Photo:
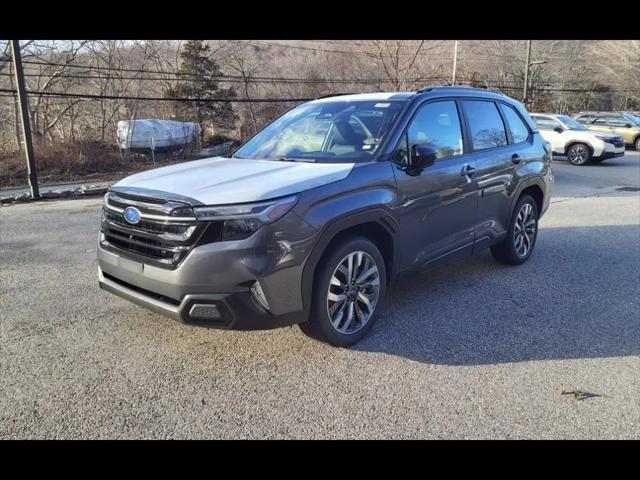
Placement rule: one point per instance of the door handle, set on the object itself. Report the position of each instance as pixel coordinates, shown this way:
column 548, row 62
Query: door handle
column 468, row 170
column 515, row 158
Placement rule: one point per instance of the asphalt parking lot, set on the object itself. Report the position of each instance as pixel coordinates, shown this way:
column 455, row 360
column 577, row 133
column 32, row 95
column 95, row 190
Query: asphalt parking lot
column 473, row 350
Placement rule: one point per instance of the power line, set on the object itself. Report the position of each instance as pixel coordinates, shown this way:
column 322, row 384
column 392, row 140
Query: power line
column 251, row 100
column 159, row 99
column 221, row 79
column 200, row 77
column 347, row 52
column 287, row 80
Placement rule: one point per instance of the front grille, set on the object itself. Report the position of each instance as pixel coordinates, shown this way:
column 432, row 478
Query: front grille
column 146, row 226
column 158, row 238
column 140, row 198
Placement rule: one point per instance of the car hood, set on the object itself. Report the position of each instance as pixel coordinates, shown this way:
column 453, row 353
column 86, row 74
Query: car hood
column 222, row 181
column 603, row 133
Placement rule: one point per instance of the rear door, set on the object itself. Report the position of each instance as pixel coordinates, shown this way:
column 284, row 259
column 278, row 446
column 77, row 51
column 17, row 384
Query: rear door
column 497, row 159
column 437, row 207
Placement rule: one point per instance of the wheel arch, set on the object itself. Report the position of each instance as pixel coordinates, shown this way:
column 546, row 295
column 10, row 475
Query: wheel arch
column 377, row 225
column 575, row 142
column 535, row 187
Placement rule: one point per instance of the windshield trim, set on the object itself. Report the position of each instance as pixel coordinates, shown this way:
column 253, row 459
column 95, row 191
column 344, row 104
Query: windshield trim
column 404, row 102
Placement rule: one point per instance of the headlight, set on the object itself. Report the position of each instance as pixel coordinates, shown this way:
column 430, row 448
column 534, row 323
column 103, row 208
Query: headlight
column 604, row 139
column 243, row 220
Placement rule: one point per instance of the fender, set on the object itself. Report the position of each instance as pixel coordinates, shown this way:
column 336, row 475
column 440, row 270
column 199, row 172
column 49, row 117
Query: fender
column 379, row 215
column 530, row 181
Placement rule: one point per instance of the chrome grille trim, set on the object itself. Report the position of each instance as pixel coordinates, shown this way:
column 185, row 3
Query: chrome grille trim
column 148, row 216
column 157, row 239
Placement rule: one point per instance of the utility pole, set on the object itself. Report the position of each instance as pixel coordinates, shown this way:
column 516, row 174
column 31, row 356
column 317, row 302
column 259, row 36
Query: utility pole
column 26, row 126
column 455, row 62
column 526, row 73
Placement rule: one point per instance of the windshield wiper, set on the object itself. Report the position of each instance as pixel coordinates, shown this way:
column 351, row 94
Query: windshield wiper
column 296, row 159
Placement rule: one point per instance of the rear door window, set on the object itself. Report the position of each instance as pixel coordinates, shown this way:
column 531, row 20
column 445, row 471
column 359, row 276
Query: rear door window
column 485, row 123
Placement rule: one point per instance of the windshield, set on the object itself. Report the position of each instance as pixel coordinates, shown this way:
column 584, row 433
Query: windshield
column 571, row 123
column 325, row 131
column 634, row 118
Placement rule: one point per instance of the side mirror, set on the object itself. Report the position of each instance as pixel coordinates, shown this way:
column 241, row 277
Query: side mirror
column 558, row 129
column 423, row 156
column 628, row 125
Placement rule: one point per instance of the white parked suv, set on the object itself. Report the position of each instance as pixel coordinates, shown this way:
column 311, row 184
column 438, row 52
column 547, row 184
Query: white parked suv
column 571, row 138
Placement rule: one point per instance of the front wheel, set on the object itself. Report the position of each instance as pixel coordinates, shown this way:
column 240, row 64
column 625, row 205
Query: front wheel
column 637, row 144
column 579, row 154
column 517, row 246
column 347, row 293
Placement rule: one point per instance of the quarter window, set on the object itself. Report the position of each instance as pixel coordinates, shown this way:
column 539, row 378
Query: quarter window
column 437, row 124
column 519, row 131
column 485, row 123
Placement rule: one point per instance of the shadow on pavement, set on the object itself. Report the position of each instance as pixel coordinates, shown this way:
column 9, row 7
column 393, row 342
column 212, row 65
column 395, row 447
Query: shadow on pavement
column 576, row 297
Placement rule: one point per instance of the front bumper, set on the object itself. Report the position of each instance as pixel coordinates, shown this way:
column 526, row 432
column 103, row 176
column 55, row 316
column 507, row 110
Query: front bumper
column 612, row 151
column 236, row 311
column 222, row 273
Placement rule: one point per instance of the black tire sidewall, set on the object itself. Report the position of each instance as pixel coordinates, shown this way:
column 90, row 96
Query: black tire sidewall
column 579, row 145
column 319, row 317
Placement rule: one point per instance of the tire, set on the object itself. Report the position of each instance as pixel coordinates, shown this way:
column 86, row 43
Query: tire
column 339, row 312
column 636, row 145
column 514, row 249
column 579, row 154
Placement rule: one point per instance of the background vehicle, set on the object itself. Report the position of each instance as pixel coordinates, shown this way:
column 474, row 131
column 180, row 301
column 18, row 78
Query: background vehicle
column 314, row 216
column 571, row 138
column 625, row 125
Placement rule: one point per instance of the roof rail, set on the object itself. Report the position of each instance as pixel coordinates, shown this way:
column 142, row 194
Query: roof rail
column 333, row 95
column 478, row 87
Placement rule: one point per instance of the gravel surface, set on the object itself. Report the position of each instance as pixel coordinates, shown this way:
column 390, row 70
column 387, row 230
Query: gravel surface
column 473, row 350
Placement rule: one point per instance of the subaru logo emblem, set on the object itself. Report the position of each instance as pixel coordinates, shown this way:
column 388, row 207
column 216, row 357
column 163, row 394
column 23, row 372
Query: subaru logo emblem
column 132, row 215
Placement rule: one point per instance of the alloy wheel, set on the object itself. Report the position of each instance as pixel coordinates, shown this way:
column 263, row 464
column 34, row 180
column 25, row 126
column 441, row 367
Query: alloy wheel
column 578, row 155
column 524, row 232
column 353, row 292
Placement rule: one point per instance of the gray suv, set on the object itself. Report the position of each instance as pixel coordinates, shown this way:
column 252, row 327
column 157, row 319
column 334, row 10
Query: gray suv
column 312, row 218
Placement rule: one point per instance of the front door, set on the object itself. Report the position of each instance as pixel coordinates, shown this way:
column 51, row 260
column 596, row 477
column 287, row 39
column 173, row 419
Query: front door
column 437, row 206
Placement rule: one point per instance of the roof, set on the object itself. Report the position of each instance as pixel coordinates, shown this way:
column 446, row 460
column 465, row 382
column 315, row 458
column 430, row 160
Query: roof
column 381, row 96
column 372, row 97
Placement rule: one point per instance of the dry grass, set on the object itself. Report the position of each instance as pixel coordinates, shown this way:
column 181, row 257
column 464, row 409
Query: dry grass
column 67, row 162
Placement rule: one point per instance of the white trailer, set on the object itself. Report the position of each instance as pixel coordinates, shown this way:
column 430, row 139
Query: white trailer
column 160, row 135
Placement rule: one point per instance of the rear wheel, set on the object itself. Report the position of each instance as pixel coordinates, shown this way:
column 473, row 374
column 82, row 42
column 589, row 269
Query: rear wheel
column 347, row 293
column 637, row 144
column 579, row 154
column 517, row 246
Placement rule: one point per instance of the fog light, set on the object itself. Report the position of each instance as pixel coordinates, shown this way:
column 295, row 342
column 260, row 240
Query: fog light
column 204, row 312
column 258, row 294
